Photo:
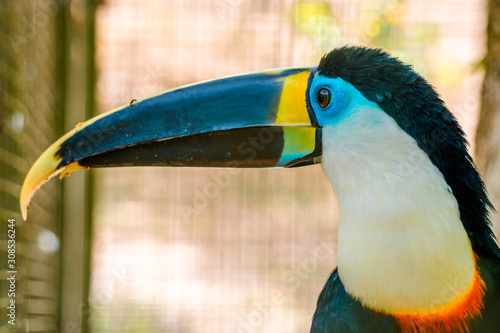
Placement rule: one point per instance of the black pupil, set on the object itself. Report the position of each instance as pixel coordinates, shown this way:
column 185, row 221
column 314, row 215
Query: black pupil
column 323, row 97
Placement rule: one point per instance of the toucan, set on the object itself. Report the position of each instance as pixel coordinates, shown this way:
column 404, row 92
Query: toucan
column 415, row 249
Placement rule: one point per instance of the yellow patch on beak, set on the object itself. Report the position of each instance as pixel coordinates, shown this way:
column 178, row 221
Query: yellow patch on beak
column 292, row 107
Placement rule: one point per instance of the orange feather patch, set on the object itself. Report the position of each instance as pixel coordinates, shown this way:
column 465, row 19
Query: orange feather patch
column 450, row 319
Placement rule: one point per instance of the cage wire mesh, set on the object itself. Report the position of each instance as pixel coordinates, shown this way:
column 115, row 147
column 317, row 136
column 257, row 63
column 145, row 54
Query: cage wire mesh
column 214, row 250
column 201, row 249
column 30, row 97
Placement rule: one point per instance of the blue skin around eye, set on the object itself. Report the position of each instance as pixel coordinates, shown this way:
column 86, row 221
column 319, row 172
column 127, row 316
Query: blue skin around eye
column 344, row 99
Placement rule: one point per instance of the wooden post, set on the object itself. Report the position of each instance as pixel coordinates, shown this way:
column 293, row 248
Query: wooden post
column 488, row 131
column 76, row 228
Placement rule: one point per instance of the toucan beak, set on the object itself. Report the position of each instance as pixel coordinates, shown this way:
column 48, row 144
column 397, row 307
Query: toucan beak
column 258, row 119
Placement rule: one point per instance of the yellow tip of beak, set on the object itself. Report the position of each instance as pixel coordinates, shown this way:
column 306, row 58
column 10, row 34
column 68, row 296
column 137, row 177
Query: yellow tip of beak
column 41, row 172
column 44, row 169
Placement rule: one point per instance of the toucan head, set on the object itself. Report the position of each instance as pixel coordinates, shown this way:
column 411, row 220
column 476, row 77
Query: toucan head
column 279, row 118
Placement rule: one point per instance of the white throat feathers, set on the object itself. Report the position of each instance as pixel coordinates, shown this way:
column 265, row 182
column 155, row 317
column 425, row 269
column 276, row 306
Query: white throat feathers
column 402, row 246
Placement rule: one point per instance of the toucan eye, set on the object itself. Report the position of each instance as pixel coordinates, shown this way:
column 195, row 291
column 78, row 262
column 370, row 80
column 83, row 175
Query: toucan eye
column 323, row 97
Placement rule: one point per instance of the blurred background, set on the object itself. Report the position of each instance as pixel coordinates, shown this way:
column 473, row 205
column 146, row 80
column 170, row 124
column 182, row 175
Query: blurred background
column 179, row 250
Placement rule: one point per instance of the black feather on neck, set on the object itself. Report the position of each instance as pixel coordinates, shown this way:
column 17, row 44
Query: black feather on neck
column 416, row 107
